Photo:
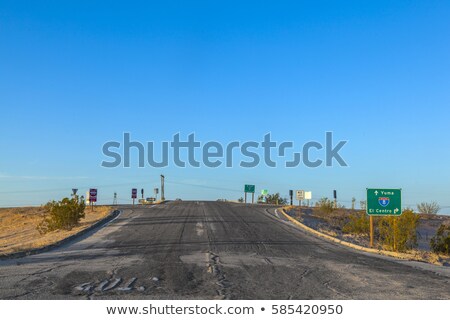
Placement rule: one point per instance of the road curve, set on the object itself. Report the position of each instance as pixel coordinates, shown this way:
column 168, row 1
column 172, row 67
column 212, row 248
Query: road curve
column 212, row 250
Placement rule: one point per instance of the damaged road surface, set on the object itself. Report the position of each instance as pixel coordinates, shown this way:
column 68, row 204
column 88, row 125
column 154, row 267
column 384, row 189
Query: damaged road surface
column 213, row 250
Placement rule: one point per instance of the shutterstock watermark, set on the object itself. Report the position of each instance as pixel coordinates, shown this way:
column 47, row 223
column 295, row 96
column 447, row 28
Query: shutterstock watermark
column 212, row 154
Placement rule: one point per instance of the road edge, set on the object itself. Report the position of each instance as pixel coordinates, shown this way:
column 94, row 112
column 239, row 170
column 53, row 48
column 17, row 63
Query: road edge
column 112, row 215
column 402, row 256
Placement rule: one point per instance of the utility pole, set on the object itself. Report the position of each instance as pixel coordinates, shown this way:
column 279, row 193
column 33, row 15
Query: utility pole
column 162, row 188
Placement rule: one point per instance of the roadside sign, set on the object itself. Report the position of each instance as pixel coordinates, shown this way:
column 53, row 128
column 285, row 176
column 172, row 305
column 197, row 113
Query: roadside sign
column 133, row 193
column 264, row 192
column 250, row 188
column 384, row 202
column 308, row 195
column 300, row 194
column 92, row 195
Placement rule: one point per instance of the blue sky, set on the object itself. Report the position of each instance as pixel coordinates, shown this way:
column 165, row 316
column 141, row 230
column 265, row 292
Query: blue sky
column 76, row 74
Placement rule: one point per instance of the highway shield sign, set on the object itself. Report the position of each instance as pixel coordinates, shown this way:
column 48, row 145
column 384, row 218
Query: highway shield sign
column 384, row 202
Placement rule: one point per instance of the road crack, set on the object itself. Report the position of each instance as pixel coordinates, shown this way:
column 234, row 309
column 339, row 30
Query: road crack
column 223, row 284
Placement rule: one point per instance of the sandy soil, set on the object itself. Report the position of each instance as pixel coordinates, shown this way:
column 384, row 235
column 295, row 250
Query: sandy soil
column 18, row 228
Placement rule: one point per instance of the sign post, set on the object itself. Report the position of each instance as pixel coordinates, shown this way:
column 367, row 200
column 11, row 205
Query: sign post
column 335, row 198
column 383, row 202
column 308, row 196
column 249, row 188
column 300, row 195
column 133, row 194
column 92, row 197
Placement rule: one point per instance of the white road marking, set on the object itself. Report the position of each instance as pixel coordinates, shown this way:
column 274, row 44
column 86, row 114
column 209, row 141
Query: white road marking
column 102, row 285
column 113, row 284
column 84, row 287
column 199, row 229
column 127, row 286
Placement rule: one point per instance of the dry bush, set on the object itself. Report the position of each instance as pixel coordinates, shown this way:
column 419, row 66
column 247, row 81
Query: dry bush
column 399, row 233
column 440, row 243
column 63, row 215
column 358, row 224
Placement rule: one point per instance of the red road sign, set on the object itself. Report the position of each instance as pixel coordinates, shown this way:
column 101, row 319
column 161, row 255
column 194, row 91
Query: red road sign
column 92, row 195
column 133, row 193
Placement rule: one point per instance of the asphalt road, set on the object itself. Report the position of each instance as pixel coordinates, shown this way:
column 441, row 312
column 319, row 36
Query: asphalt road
column 213, row 250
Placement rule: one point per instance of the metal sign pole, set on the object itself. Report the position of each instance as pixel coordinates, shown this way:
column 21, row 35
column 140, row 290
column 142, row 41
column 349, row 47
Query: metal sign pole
column 395, row 231
column 371, row 230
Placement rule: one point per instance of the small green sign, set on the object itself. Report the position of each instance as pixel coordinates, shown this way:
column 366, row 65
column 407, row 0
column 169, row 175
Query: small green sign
column 264, row 192
column 250, row 188
column 384, row 202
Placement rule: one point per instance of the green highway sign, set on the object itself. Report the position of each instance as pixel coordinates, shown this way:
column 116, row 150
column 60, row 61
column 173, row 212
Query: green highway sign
column 384, row 202
column 250, row 188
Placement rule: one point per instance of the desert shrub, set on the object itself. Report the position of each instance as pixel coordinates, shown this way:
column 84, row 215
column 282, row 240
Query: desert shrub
column 358, row 224
column 428, row 207
column 276, row 199
column 326, row 205
column 440, row 243
column 399, row 233
column 64, row 214
column 363, row 205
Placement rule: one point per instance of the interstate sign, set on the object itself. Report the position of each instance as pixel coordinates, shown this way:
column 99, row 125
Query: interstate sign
column 384, row 202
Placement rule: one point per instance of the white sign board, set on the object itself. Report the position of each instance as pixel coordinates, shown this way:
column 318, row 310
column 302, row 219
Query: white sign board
column 308, row 195
column 300, row 194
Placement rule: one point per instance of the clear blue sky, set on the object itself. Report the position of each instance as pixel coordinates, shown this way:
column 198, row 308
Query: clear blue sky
column 75, row 74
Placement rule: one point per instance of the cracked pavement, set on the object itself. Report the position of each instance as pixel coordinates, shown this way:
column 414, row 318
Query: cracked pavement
column 213, row 250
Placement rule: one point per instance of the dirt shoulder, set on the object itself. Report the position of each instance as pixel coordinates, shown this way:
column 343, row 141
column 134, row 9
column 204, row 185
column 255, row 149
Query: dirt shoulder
column 331, row 225
column 18, row 231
